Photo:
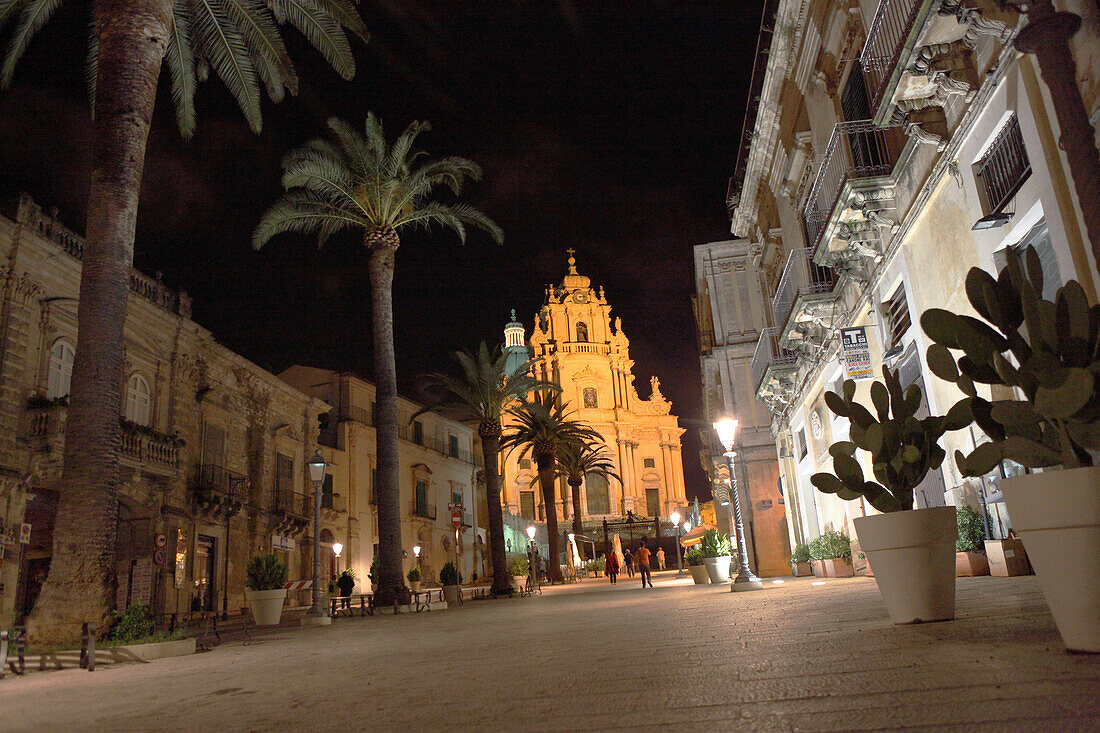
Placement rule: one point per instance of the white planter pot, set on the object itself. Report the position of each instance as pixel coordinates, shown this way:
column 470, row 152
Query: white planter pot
column 1057, row 515
column 266, row 605
column 913, row 554
column 450, row 594
column 718, row 568
column 699, row 574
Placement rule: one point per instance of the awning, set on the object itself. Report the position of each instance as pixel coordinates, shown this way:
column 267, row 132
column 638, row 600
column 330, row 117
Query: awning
column 695, row 536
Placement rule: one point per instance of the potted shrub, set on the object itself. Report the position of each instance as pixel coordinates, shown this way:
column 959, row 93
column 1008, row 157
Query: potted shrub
column 373, row 573
column 716, row 555
column 831, row 555
column 449, row 578
column 800, row 561
column 694, row 560
column 414, row 578
column 1048, row 353
column 519, row 568
column 266, row 588
column 970, row 558
column 911, row 550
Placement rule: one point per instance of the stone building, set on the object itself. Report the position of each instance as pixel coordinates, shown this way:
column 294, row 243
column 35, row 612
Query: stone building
column 580, row 347
column 439, row 467
column 891, row 145
column 730, row 314
column 213, row 447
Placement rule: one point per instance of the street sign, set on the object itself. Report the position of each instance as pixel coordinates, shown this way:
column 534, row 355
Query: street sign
column 278, row 542
column 161, row 541
column 24, row 534
column 160, row 555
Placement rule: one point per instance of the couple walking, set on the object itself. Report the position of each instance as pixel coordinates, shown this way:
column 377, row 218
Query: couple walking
column 640, row 558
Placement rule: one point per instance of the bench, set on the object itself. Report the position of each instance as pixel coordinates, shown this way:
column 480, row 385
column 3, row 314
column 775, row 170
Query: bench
column 345, row 604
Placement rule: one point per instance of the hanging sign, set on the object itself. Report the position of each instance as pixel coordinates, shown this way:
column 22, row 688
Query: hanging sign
column 856, row 353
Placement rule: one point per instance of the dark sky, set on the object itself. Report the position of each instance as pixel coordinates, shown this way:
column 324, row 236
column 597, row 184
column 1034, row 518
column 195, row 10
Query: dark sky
column 607, row 126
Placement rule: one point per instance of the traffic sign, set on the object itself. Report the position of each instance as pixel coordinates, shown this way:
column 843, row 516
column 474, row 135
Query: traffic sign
column 161, row 541
column 24, row 534
column 160, row 556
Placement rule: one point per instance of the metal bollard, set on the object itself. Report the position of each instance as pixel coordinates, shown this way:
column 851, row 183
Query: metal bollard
column 87, row 646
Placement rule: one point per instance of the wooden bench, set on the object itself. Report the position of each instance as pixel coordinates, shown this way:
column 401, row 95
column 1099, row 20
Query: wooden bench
column 345, row 604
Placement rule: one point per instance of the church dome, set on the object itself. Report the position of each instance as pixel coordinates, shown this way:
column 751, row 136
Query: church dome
column 574, row 281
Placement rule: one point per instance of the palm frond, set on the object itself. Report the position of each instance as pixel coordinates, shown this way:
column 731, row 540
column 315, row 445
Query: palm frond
column 322, row 30
column 376, row 136
column 395, row 163
column 181, row 69
column 223, row 46
column 34, row 15
column 454, row 217
column 361, row 159
column 261, row 36
column 314, row 171
column 345, row 14
column 302, row 211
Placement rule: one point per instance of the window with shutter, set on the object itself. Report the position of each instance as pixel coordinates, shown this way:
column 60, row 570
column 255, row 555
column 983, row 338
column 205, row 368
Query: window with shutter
column 897, row 315
column 1039, row 238
column 213, row 445
column 1004, row 168
column 452, row 446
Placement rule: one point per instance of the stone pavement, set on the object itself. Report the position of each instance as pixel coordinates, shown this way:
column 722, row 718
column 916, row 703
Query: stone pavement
column 795, row 656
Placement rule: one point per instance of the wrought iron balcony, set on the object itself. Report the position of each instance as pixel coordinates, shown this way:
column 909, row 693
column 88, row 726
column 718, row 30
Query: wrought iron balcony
column 856, row 150
column 802, row 278
column 217, row 490
column 290, row 510
column 769, row 355
column 889, row 36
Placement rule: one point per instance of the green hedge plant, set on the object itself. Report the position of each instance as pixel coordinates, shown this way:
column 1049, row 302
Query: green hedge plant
column 449, row 575
column 694, row 557
column 903, row 448
column 971, row 531
column 1047, row 351
column 519, row 565
column 831, row 545
column 414, row 574
column 801, row 553
column 715, row 544
column 265, row 572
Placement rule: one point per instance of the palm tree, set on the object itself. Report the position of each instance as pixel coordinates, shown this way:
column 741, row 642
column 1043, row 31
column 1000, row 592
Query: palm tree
column 481, row 394
column 543, row 427
column 131, row 40
column 360, row 181
column 576, row 461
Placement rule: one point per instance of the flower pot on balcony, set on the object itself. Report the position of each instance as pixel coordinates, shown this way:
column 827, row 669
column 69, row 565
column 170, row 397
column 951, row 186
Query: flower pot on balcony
column 699, row 574
column 913, row 553
column 266, row 605
column 718, row 568
column 1057, row 514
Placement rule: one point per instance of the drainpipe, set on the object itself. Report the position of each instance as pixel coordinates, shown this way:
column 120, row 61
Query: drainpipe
column 1047, row 36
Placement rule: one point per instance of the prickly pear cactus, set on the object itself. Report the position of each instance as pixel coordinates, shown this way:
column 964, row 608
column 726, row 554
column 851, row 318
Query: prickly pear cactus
column 903, row 448
column 1049, row 351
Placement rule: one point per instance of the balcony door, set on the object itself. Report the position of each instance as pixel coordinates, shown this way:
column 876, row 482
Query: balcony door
column 855, row 105
column 213, row 445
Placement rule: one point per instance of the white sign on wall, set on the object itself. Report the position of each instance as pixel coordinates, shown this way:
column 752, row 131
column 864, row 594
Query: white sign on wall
column 279, row 542
column 856, row 353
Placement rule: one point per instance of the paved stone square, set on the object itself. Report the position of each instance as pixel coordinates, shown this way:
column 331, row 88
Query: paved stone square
column 795, row 656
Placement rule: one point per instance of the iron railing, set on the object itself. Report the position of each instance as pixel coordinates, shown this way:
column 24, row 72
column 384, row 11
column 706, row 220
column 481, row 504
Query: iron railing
column 801, row 276
column 290, row 502
column 886, row 40
column 768, row 353
column 1005, row 168
column 856, row 149
column 212, row 482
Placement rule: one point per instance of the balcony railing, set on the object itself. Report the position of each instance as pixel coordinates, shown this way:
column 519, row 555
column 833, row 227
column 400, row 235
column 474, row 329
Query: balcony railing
column 768, row 353
column 801, row 276
column 150, row 448
column 214, row 482
column 886, row 41
column 855, row 150
column 291, row 502
column 1005, row 168
column 427, row 511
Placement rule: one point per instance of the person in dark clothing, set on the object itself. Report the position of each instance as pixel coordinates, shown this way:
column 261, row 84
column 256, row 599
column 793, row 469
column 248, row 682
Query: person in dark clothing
column 611, row 567
column 346, row 582
column 628, row 558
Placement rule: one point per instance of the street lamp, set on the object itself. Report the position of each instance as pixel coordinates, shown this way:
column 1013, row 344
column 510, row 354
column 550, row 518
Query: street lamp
column 416, row 551
column 675, row 519
column 337, row 548
column 316, row 615
column 745, row 580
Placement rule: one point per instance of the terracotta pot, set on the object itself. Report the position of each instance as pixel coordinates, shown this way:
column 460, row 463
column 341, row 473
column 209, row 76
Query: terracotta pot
column 913, row 553
column 818, row 567
column 968, row 564
column 801, row 569
column 718, row 568
column 838, row 567
column 699, row 574
column 414, row 586
column 1057, row 514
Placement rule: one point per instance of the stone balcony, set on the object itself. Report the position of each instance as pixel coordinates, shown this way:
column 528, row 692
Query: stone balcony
column 803, row 303
column 290, row 512
column 217, row 492
column 772, row 370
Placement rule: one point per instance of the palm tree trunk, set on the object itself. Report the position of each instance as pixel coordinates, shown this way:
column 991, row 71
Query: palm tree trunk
column 133, row 38
column 575, row 485
column 502, row 579
column 391, row 582
column 546, row 481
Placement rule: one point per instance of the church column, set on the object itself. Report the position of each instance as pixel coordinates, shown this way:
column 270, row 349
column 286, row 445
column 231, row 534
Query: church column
column 669, row 482
column 624, row 474
column 636, row 490
column 678, row 472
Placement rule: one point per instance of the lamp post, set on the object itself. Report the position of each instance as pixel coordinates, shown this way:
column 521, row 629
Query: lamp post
column 675, row 519
column 337, row 548
column 745, row 580
column 316, row 615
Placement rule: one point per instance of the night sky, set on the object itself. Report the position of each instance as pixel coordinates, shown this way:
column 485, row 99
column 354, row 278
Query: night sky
column 608, row 126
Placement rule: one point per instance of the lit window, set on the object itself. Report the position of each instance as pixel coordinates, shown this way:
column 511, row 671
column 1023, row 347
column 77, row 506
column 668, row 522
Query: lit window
column 137, row 400
column 60, row 370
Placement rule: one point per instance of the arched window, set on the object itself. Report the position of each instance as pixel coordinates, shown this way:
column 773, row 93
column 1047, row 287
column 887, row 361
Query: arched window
column 137, row 400
column 60, row 371
column 582, row 331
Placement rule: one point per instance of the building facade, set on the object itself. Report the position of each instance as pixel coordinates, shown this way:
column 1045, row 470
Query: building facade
column 890, row 146
column 213, row 447
column 730, row 314
column 440, row 466
column 580, row 347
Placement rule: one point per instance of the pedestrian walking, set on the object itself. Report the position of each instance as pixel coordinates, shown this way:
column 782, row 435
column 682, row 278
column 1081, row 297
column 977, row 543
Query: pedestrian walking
column 612, row 567
column 660, row 558
column 628, row 558
column 641, row 555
